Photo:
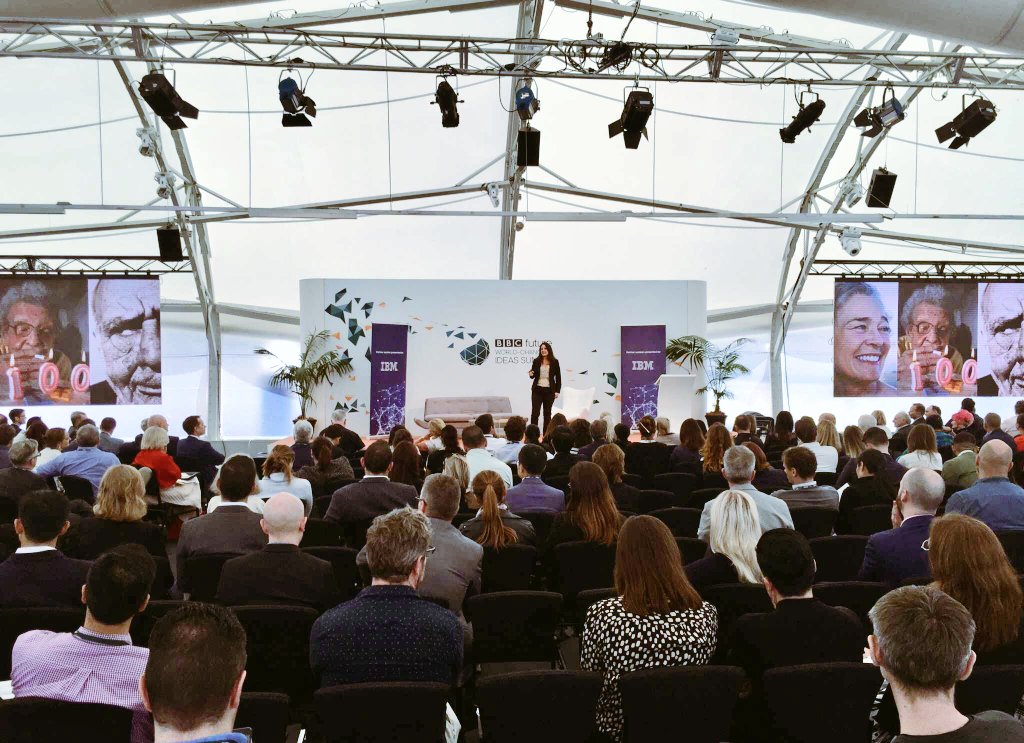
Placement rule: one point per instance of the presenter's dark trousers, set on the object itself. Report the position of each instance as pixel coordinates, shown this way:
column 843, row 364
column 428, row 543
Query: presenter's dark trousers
column 542, row 396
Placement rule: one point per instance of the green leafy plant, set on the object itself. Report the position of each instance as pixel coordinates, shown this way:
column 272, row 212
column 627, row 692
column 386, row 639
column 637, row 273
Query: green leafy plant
column 720, row 364
column 315, row 367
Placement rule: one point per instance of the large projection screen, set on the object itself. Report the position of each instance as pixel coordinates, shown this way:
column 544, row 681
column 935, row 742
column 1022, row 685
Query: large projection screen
column 80, row 341
column 917, row 337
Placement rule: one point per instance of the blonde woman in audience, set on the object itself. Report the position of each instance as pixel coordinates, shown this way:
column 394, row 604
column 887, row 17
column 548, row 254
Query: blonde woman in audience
column 922, row 449
column 254, row 502
column 431, row 442
column 880, row 420
column 828, row 435
column 119, row 510
column 278, row 478
column 457, row 468
column 495, row 526
column 734, row 531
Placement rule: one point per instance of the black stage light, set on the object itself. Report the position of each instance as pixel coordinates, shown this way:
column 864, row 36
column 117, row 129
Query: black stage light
column 632, row 124
column 157, row 91
column 447, row 99
column 803, row 119
column 880, row 190
column 968, row 123
column 874, row 119
column 295, row 102
column 617, row 55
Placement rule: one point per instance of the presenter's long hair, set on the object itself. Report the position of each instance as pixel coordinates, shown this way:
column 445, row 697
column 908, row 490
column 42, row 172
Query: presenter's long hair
column 489, row 488
column 591, row 505
column 551, row 353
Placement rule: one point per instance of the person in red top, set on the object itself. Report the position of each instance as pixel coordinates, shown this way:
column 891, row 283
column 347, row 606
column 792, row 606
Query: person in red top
column 1018, row 440
column 154, row 455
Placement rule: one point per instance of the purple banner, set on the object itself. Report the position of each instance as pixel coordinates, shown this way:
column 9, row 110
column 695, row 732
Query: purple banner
column 389, row 345
column 643, row 362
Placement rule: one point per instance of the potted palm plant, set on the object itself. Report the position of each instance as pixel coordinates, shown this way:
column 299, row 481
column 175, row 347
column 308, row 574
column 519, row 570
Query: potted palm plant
column 720, row 364
column 315, row 367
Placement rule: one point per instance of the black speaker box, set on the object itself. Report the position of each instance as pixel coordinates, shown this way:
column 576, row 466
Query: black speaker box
column 528, row 147
column 880, row 190
column 170, row 244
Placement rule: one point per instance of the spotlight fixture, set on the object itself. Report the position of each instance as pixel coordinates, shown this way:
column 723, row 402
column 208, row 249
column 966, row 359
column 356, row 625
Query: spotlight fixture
column 850, row 240
column 854, row 192
column 527, row 103
column 617, row 55
column 157, row 91
column 875, row 119
column 633, row 121
column 447, row 99
column 147, row 141
column 295, row 102
column 968, row 123
column 807, row 115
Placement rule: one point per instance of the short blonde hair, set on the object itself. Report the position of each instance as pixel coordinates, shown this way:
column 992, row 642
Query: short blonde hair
column 154, row 438
column 121, row 496
column 456, row 467
column 435, row 426
column 394, row 542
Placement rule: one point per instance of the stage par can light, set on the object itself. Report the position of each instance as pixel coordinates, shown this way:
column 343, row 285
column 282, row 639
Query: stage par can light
column 447, row 100
column 632, row 124
column 802, row 121
column 158, row 93
column 971, row 121
column 526, row 102
column 295, row 102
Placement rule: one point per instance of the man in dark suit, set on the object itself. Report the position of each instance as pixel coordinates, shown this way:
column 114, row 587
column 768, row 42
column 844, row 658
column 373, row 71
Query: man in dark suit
column 280, row 573
column 599, row 434
column 349, row 442
column 200, row 452
column 564, row 459
column 532, row 494
column 19, row 479
column 7, row 434
column 898, row 440
column 231, row 528
column 38, row 574
column 874, row 438
column 375, row 494
column 895, row 555
column 107, row 440
column 995, row 432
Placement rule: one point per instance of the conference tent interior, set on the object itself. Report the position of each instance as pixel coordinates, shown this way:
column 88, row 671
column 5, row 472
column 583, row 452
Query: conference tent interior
column 377, row 189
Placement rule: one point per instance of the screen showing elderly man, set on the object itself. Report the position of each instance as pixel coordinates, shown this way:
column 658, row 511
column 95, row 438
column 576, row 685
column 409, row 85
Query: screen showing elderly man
column 41, row 325
column 1002, row 319
column 936, row 321
column 126, row 330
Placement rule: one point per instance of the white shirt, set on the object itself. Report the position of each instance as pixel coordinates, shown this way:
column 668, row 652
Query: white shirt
column 301, row 489
column 31, row 550
column 254, row 502
column 922, row 458
column 509, row 453
column 827, row 456
column 493, row 442
column 46, row 455
column 434, row 444
column 481, row 459
column 545, row 376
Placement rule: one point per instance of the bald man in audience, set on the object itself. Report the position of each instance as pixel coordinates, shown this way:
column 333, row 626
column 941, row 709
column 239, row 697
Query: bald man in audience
column 280, row 573
column 993, row 499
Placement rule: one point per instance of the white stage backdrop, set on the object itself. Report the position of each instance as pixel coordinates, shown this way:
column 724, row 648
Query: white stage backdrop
column 471, row 338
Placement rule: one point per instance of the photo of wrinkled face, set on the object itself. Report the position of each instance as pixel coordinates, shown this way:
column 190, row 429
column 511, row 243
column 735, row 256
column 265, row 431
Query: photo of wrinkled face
column 28, row 329
column 929, row 328
column 126, row 321
column 1002, row 312
column 862, row 340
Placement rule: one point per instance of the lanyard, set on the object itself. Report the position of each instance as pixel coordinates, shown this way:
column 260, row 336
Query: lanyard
column 99, row 640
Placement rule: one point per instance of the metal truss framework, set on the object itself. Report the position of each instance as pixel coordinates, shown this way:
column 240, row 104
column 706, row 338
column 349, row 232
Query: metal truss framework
column 90, row 265
column 931, row 270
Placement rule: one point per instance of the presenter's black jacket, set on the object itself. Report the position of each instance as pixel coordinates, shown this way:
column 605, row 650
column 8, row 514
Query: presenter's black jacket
column 554, row 375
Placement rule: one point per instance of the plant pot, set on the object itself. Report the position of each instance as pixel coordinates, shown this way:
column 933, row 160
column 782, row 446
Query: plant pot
column 715, row 417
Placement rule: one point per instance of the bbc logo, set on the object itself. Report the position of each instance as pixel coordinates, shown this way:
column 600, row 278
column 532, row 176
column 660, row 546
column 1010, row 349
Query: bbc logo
column 508, row 342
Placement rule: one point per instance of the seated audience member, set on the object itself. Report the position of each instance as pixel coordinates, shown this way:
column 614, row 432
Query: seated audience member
column 1018, row 434
column 782, row 435
column 871, row 488
column 874, row 438
column 827, row 417
column 1010, row 421
column 557, row 420
column 480, row 459
column 193, row 678
column 253, row 502
column 388, row 632
column 827, row 456
column 456, row 561
column 663, row 433
column 767, row 479
column 233, row 528
column 325, row 468
column 35, row 431
column 532, row 494
column 153, row 455
column 802, row 629
column 590, row 514
column 449, row 446
column 853, row 442
column 38, row 574
column 745, row 427
column 19, row 479
column 612, row 461
column 922, row 644
column 96, row 663
column 485, row 423
column 431, row 441
column 77, row 418
column 457, row 469
column 893, row 556
column 994, row 431
column 200, row 452
column 943, row 439
column 56, row 440
column 598, row 438
column 962, row 470
column 738, row 470
column 828, row 436
column 691, row 441
column 278, row 478
column 734, row 531
column 868, row 420
column 87, row 461
column 922, row 451
column 280, row 573
column 580, row 429
column 17, row 419
column 799, row 464
column 717, row 442
column 349, row 443
column 532, row 435
column 406, row 465
column 495, row 525
column 647, row 457
column 302, row 452
column 107, row 440
column 119, row 510
column 993, row 499
column 622, row 432
column 160, row 422
column 374, row 495
column 515, row 429
column 564, row 459
column 7, row 434
column 656, row 619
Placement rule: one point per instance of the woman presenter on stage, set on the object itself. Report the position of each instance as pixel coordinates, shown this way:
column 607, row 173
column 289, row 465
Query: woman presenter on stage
column 547, row 383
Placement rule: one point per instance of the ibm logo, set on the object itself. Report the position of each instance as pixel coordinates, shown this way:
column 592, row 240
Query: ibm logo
column 508, row 342
column 389, row 366
column 643, row 366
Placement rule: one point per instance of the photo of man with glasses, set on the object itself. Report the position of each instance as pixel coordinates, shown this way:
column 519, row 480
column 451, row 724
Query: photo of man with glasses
column 126, row 330
column 936, row 320
column 1002, row 315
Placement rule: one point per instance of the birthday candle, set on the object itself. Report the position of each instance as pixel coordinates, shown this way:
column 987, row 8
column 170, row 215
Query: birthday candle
column 970, row 371
column 14, row 381
column 916, row 378
column 944, row 369
column 80, row 377
column 49, row 377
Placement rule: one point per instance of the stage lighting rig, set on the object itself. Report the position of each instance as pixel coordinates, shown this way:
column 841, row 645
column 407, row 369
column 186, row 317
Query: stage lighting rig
column 147, row 141
column 158, row 92
column 971, row 121
column 807, row 115
column 632, row 124
column 853, row 192
column 850, row 240
column 447, row 99
column 164, row 185
column 294, row 101
column 875, row 119
column 527, row 103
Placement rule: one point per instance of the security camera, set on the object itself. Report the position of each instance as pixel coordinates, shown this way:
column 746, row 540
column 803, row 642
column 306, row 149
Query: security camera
column 147, row 142
column 493, row 193
column 164, row 185
column 850, row 240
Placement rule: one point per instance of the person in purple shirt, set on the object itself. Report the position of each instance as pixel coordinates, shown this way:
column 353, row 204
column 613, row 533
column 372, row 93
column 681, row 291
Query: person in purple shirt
column 302, row 448
column 87, row 461
column 96, row 663
column 995, row 432
column 532, row 494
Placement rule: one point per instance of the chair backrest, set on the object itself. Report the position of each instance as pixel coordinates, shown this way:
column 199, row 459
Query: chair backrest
column 653, row 500
column 825, row 478
column 202, row 574
column 33, row 719
column 701, row 496
column 814, row 522
column 164, row 578
column 680, row 484
column 541, row 521
column 266, row 714
column 77, row 487
column 857, row 596
column 143, row 623
column 343, row 560
column 14, row 622
column 733, row 600
column 548, row 706
column 586, row 599
column 508, row 568
column 635, row 481
column 514, row 626
column 868, row 520
column 682, row 521
column 382, row 712
column 822, row 701
column 353, row 533
column 561, row 482
column 583, row 565
column 320, row 505
column 839, row 557
column 1013, row 545
column 696, row 699
column 277, row 646
column 991, row 687
column 691, row 549
column 320, row 533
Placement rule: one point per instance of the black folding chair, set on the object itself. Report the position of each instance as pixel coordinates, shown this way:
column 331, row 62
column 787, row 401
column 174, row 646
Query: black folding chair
column 682, row 521
column 654, row 500
column 320, row 533
column 868, row 520
column 839, row 557
column 549, row 706
column 701, row 496
column 34, row 719
column 680, row 484
column 561, row 482
column 515, row 626
column 266, row 714
column 320, row 505
column 586, row 599
column 277, row 648
column 691, row 549
column 76, row 488
column 583, row 565
column 541, row 521
column 509, row 568
column 142, row 625
column 733, row 600
column 826, row 478
column 382, row 712
column 991, row 687
column 635, row 481
column 343, row 560
column 16, row 621
column 857, row 596
column 1013, row 545
column 202, row 575
column 814, row 522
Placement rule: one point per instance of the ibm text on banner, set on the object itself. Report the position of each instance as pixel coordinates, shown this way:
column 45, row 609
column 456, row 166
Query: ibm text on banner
column 389, row 345
column 643, row 362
